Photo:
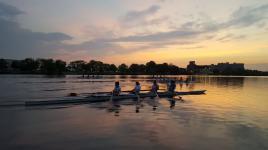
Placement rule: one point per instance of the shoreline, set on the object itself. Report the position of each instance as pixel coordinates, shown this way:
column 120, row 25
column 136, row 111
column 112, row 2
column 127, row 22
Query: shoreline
column 156, row 76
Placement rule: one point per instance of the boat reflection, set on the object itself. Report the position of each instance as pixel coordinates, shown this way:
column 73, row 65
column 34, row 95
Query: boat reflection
column 114, row 106
column 138, row 105
column 172, row 103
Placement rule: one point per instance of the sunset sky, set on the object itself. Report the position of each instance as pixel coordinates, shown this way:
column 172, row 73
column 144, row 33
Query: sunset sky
column 136, row 31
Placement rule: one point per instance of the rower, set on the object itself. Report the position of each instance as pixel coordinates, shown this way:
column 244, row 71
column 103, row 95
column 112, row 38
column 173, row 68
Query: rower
column 172, row 86
column 117, row 89
column 137, row 88
column 155, row 87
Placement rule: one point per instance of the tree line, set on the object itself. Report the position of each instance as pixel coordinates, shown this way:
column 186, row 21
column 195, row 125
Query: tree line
column 32, row 66
column 93, row 67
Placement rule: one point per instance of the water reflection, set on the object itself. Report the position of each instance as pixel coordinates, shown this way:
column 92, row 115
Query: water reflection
column 114, row 106
column 172, row 103
column 137, row 105
column 232, row 115
column 181, row 85
column 237, row 82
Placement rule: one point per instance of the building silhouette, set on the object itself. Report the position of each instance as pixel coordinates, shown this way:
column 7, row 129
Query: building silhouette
column 220, row 68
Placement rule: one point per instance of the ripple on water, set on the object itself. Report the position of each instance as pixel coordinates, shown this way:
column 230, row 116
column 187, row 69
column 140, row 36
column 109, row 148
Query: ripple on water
column 232, row 115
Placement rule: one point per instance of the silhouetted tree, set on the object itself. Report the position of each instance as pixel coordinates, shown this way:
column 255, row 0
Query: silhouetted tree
column 113, row 68
column 123, row 69
column 3, row 65
column 96, row 67
column 106, row 69
column 255, row 73
column 151, row 67
column 174, row 70
column 60, row 66
column 78, row 66
column 16, row 65
column 29, row 65
column 47, row 66
column 109, row 69
column 134, row 68
column 162, row 69
column 137, row 69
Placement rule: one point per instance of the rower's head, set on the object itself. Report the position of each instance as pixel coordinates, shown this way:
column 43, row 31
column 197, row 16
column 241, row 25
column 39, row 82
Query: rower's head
column 137, row 83
column 172, row 81
column 116, row 83
column 155, row 82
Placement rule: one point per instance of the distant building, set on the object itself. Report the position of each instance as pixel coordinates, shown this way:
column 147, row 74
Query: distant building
column 198, row 69
column 227, row 67
column 220, row 68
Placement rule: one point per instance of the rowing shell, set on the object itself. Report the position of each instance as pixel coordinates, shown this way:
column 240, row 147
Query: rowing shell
column 105, row 97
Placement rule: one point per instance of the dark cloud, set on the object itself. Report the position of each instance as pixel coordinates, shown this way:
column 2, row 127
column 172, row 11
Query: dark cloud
column 247, row 16
column 98, row 47
column 96, row 32
column 188, row 33
column 8, row 12
column 143, row 18
column 226, row 37
column 230, row 37
column 139, row 18
column 17, row 42
column 243, row 17
column 162, row 36
column 194, row 47
column 135, row 15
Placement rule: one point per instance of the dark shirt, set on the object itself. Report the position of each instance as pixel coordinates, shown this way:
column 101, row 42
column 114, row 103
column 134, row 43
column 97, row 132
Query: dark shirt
column 172, row 87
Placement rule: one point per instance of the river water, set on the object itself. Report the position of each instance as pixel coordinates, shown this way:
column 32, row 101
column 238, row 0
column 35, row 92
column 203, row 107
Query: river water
column 233, row 115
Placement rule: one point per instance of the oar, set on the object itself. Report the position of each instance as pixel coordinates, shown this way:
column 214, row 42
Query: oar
column 110, row 101
column 157, row 97
column 138, row 103
column 111, row 98
column 156, row 94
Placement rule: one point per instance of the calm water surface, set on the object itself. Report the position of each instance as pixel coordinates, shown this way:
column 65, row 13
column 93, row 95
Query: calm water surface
column 232, row 115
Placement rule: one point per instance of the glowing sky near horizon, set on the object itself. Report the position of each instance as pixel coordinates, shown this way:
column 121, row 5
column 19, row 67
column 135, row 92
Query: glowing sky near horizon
column 127, row 31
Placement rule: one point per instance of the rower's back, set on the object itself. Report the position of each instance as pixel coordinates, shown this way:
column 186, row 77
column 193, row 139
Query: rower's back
column 172, row 86
column 137, row 88
column 155, row 86
column 117, row 89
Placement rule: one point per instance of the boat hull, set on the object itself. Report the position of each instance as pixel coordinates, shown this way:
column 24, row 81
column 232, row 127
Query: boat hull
column 102, row 98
